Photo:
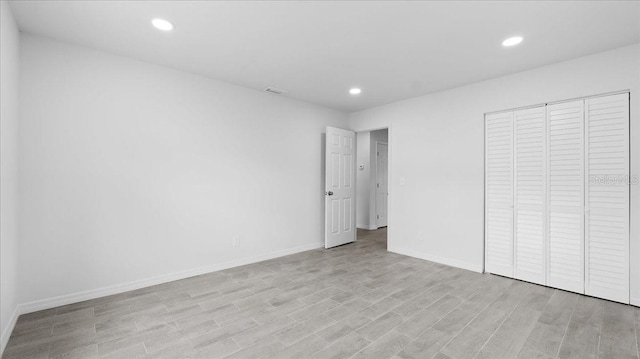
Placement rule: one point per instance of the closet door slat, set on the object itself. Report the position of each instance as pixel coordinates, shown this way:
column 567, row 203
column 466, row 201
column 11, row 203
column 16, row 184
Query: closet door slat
column 607, row 197
column 565, row 198
column 499, row 193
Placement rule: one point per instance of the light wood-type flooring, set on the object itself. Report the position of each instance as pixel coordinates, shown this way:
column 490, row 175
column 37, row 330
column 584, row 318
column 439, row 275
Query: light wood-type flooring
column 354, row 301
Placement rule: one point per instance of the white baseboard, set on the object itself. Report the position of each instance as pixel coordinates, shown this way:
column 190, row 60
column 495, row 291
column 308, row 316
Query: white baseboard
column 429, row 257
column 125, row 287
column 635, row 301
column 367, row 227
column 6, row 331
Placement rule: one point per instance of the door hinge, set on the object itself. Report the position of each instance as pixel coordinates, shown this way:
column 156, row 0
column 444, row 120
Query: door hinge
column 378, row 185
column 377, row 153
column 377, row 216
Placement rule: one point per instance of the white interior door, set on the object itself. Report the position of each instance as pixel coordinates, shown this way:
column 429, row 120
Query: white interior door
column 607, row 197
column 382, row 187
column 530, row 195
column 565, row 134
column 340, row 205
column 499, row 193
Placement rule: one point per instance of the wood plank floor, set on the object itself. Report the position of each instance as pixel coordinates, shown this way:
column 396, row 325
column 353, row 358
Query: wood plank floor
column 354, row 301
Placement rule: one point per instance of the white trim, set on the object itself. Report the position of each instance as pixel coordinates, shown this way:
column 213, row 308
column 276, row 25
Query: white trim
column 474, row 267
column 635, row 301
column 367, row 227
column 561, row 101
column 390, row 235
column 120, row 288
column 6, row 332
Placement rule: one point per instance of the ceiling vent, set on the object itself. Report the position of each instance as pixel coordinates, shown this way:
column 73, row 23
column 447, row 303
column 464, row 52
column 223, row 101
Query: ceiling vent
column 275, row 91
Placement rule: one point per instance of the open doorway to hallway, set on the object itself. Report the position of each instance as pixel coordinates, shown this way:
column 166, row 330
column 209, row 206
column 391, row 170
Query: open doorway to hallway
column 372, row 185
column 376, row 238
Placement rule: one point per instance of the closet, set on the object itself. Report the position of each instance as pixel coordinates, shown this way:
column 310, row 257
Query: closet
column 557, row 195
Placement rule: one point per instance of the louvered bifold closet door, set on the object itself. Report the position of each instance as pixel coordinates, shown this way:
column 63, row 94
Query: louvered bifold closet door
column 499, row 193
column 530, row 194
column 565, row 174
column 607, row 197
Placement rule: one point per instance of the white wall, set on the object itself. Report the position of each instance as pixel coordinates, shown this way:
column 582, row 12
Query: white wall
column 438, row 148
column 9, row 70
column 133, row 173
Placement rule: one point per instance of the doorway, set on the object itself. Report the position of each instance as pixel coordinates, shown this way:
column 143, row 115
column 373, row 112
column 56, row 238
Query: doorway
column 374, row 240
column 372, row 184
column 382, row 185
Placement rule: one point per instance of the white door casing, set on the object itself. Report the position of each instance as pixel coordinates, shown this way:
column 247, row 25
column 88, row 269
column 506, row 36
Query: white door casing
column 499, row 193
column 382, row 187
column 607, row 197
column 340, row 209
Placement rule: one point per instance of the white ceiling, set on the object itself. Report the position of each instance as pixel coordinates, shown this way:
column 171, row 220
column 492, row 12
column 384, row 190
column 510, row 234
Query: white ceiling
column 318, row 50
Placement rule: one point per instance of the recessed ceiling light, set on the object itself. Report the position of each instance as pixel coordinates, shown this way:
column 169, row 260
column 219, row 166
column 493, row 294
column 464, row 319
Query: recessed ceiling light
column 355, row 91
column 162, row 24
column 512, row 41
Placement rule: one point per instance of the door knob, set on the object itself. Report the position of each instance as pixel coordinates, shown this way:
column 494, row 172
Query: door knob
column 329, row 193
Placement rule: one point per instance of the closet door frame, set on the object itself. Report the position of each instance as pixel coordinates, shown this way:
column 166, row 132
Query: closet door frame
column 578, row 215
